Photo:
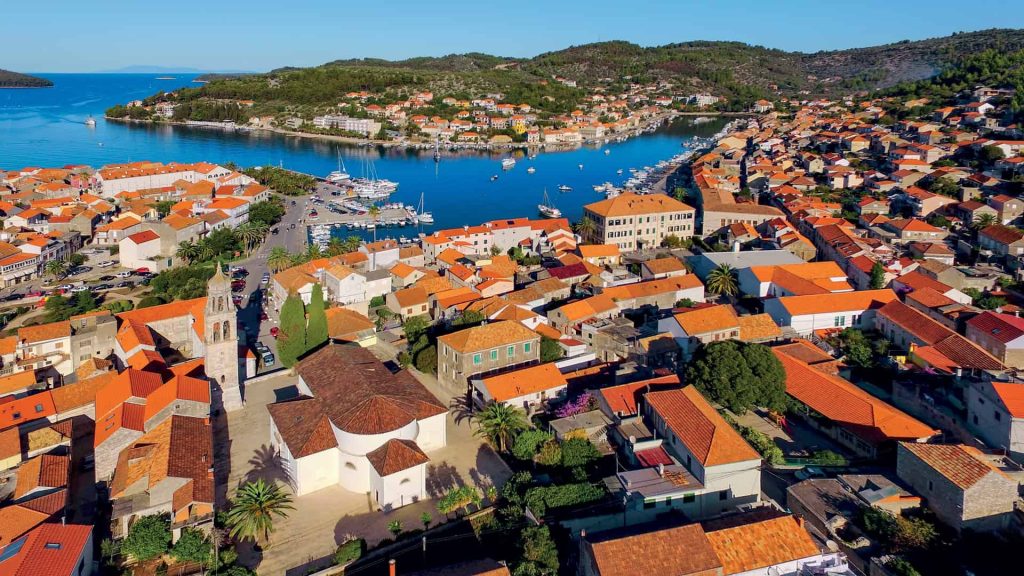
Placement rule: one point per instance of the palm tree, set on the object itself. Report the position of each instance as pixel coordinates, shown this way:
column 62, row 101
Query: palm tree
column 56, row 268
column 722, row 280
column 206, row 250
column 279, row 259
column 255, row 506
column 984, row 221
column 374, row 212
column 188, row 251
column 499, row 423
column 336, row 246
column 313, row 252
column 252, row 233
column 585, row 227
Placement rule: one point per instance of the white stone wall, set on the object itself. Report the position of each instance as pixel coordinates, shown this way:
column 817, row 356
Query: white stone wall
column 400, row 488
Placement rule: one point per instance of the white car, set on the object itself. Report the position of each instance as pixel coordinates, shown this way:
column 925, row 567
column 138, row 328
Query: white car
column 78, row 289
column 65, row 287
column 106, row 264
column 126, row 274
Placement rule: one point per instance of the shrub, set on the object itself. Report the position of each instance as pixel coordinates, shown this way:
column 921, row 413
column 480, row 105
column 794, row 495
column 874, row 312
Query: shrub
column 148, row 537
column 577, row 452
column 426, row 359
column 528, row 443
column 828, row 458
column 542, row 498
column 349, row 551
column 192, row 546
column 150, row 301
column 376, row 301
column 550, row 453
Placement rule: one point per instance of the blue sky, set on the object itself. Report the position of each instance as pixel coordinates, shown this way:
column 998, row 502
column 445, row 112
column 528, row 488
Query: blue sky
column 77, row 35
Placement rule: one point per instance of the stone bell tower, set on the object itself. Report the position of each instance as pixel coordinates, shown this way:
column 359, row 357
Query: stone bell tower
column 220, row 336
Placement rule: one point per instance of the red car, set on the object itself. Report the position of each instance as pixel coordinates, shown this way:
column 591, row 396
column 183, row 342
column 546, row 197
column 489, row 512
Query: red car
column 274, row 331
column 36, row 293
column 142, row 270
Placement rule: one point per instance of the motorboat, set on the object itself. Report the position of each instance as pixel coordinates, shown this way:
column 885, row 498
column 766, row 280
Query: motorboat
column 531, row 170
column 564, row 188
column 508, row 164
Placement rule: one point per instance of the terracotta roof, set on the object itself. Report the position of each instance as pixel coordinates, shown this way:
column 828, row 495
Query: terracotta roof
column 10, row 443
column 371, row 400
column 757, row 545
column 482, row 567
column 622, row 399
column 44, row 471
column 18, row 519
column 17, row 382
column 144, row 236
column 345, row 324
column 654, row 287
column 488, row 336
column 1001, row 327
column 704, row 432
column 598, row 250
column 962, row 465
column 758, row 327
column 929, row 297
column 959, row 350
column 630, row 204
column 1002, row 234
column 848, row 405
column 705, row 319
column 44, row 332
column 676, row 551
column 81, row 393
column 396, row 455
column 49, row 549
column 836, row 302
column 1012, row 396
column 525, row 381
column 180, row 447
column 664, row 265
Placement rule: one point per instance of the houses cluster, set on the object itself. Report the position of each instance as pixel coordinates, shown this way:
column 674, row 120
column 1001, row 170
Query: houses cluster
column 147, row 379
column 50, row 213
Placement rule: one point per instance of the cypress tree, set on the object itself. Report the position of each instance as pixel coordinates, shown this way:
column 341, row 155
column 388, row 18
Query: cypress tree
column 316, row 328
column 291, row 342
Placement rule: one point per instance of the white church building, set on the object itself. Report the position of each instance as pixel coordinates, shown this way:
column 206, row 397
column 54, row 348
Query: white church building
column 358, row 425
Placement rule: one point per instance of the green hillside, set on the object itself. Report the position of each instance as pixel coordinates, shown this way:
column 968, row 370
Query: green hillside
column 10, row 79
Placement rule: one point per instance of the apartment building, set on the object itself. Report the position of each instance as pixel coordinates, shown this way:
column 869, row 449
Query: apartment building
column 484, row 349
column 635, row 221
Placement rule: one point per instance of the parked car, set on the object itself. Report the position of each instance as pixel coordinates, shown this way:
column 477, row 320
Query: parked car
column 65, row 287
column 125, row 274
column 36, row 293
column 78, row 289
column 268, row 359
column 13, row 297
column 107, row 278
column 142, row 270
column 106, row 264
column 83, row 269
column 125, row 284
column 274, row 231
column 100, row 287
column 809, row 472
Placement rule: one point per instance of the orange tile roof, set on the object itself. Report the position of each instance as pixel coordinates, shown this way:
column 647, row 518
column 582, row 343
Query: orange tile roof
column 837, row 302
column 121, row 224
column 664, row 265
column 622, row 400
column 345, row 324
column 758, row 327
column 487, row 336
column 396, row 455
column 960, row 464
column 1012, row 396
column 144, row 236
column 16, row 382
column 598, row 250
column 631, row 204
column 847, row 405
column 654, row 287
column 759, row 545
column 588, row 307
column 705, row 319
column 44, row 332
column 700, row 427
column 676, row 551
column 523, row 382
column 43, row 471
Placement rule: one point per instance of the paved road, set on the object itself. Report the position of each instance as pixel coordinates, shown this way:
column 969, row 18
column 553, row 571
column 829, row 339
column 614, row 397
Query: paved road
column 293, row 240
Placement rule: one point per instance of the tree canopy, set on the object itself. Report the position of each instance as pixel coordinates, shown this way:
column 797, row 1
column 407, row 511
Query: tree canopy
column 739, row 376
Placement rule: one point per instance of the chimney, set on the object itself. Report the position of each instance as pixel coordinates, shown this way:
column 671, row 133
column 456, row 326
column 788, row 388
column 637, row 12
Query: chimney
column 391, row 567
column 661, row 469
column 736, row 246
column 799, row 521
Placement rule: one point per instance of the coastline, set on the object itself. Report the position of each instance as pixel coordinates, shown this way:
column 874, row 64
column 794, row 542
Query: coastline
column 451, row 146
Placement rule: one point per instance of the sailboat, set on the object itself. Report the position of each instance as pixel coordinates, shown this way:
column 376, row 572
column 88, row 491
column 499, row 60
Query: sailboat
column 423, row 217
column 437, row 150
column 339, row 175
column 90, row 121
column 547, row 209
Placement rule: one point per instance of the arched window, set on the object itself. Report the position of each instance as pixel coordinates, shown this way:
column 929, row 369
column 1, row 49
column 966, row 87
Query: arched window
column 404, row 481
column 216, row 331
column 220, row 304
column 227, row 334
column 221, row 378
column 350, row 466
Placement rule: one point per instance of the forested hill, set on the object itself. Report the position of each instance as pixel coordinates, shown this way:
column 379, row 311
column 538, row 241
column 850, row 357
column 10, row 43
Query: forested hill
column 739, row 72
column 10, row 79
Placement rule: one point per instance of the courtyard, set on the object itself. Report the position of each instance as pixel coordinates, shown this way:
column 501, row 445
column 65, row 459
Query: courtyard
column 326, row 518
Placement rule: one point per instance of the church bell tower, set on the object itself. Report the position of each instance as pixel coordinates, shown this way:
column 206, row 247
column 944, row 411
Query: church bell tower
column 220, row 336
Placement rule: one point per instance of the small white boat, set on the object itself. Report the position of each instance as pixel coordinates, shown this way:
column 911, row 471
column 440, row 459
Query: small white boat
column 607, row 151
column 581, row 166
column 564, row 188
column 90, row 121
column 508, row 164
column 619, row 171
column 531, row 170
column 494, row 177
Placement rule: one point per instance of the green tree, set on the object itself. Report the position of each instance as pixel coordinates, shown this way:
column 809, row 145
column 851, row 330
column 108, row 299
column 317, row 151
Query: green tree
column 469, row 318
column 268, row 212
column 415, row 327
column 550, row 453
column 550, row 350
column 148, row 537
column 585, row 227
column 539, row 553
column 395, row 527
column 426, row 519
column 528, row 443
column 291, row 340
column 254, row 508
column 316, row 328
column 856, row 348
column 188, row 251
column 163, row 207
column 349, row 551
column 739, row 376
column 877, row 276
column 499, row 423
column 984, row 220
column 192, row 546
column 722, row 280
column 77, row 259
column 990, row 154
column 945, row 186
column 579, row 452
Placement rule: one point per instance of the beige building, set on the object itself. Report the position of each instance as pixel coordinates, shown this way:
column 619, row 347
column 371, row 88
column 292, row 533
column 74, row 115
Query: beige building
column 634, row 221
column 484, row 349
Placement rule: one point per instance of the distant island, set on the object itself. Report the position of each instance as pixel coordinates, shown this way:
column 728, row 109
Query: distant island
column 10, row 79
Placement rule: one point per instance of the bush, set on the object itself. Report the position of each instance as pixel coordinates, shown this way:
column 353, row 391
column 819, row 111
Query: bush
column 578, row 452
column 150, row 301
column 377, row 301
column 550, row 350
column 349, row 551
column 542, row 498
column 426, row 359
column 528, row 443
column 77, row 259
column 828, row 458
column 182, row 283
column 148, row 537
column 119, row 306
column 192, row 546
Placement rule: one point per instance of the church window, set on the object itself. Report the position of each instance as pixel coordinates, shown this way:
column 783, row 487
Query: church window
column 227, row 331
column 216, row 331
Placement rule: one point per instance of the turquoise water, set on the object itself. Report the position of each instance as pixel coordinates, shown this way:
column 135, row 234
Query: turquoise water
column 45, row 127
